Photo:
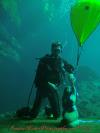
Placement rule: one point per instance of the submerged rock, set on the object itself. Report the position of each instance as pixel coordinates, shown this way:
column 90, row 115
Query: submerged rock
column 88, row 101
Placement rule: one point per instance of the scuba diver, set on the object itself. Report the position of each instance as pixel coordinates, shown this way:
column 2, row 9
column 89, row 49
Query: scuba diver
column 51, row 73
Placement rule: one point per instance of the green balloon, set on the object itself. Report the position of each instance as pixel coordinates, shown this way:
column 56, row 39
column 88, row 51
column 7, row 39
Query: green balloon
column 85, row 17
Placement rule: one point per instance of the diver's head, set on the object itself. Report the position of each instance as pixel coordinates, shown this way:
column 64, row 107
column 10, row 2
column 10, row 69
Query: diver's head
column 56, row 48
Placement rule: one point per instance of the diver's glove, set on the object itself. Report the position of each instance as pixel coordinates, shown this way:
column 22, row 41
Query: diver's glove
column 53, row 86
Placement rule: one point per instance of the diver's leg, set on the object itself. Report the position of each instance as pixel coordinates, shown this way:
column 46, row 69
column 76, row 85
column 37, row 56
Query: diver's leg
column 37, row 104
column 53, row 98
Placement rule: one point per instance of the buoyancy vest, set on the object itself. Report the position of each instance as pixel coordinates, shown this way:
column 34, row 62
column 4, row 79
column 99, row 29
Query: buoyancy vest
column 51, row 69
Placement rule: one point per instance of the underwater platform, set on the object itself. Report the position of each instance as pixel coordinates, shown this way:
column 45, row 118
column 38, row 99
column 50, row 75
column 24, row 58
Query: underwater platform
column 39, row 125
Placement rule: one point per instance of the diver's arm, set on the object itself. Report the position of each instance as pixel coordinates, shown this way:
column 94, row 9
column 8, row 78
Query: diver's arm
column 68, row 67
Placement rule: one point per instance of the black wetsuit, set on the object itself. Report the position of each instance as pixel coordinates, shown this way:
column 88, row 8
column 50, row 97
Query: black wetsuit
column 50, row 69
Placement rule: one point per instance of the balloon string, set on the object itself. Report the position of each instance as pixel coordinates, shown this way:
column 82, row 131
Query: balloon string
column 79, row 52
column 78, row 56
